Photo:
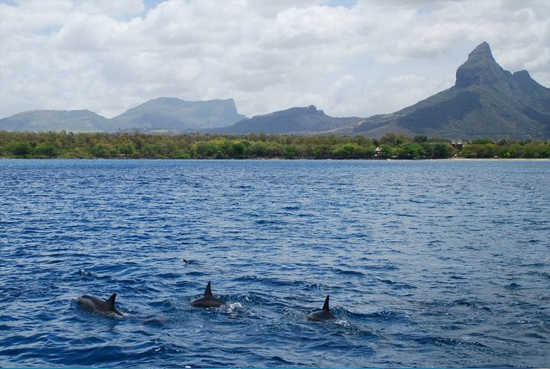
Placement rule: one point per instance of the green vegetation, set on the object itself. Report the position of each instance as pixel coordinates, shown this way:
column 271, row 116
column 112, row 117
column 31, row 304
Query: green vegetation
column 485, row 148
column 252, row 146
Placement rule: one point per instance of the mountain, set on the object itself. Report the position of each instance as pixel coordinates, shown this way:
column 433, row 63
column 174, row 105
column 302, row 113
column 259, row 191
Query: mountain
column 176, row 114
column 56, row 120
column 486, row 101
column 161, row 113
column 291, row 121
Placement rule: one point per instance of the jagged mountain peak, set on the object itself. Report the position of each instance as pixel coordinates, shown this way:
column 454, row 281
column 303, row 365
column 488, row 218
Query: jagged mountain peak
column 481, row 52
column 481, row 69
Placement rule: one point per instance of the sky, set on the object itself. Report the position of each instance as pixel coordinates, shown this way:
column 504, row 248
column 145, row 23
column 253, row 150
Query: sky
column 346, row 57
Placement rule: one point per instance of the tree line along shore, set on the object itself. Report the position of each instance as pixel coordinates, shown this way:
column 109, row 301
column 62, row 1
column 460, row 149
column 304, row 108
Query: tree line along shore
column 137, row 145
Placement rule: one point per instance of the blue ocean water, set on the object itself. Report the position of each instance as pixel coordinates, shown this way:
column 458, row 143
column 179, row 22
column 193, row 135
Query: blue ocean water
column 428, row 263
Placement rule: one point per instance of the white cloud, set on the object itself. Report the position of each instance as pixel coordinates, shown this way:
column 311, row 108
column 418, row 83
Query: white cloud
column 374, row 57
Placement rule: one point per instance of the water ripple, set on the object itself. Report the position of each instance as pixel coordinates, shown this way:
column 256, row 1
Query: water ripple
column 433, row 263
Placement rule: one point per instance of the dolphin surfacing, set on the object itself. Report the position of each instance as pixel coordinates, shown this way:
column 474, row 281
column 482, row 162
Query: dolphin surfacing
column 99, row 305
column 207, row 300
column 322, row 315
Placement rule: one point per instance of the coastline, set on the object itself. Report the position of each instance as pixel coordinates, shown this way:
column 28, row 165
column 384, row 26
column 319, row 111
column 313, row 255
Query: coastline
column 50, row 145
column 289, row 159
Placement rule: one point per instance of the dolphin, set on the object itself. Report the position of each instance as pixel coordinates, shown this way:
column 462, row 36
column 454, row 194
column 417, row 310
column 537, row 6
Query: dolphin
column 207, row 299
column 323, row 314
column 99, row 305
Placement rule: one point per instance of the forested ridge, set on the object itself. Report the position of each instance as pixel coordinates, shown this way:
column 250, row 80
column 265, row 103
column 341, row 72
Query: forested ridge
column 256, row 146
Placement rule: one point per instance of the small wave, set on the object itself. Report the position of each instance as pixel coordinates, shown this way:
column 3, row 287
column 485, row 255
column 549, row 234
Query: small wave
column 386, row 315
column 435, row 243
column 446, row 341
column 291, row 208
column 544, row 328
column 195, row 274
column 169, row 275
column 129, row 281
column 282, row 361
column 271, row 281
column 535, row 265
column 234, row 309
column 397, row 285
column 167, row 304
column 405, row 215
column 535, row 335
column 153, row 322
column 234, row 306
column 243, row 187
column 273, row 223
column 86, row 273
column 383, row 266
column 348, row 272
column 470, row 304
column 250, row 299
column 354, row 329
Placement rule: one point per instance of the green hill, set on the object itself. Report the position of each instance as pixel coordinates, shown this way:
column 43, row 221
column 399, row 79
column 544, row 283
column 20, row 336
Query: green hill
column 56, row 120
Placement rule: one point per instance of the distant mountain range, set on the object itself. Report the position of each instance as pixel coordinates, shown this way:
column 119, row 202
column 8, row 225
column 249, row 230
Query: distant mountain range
column 291, row 121
column 486, row 101
column 157, row 114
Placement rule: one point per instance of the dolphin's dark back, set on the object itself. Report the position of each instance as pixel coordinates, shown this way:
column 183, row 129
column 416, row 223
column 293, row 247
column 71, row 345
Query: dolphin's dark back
column 323, row 314
column 99, row 305
column 207, row 299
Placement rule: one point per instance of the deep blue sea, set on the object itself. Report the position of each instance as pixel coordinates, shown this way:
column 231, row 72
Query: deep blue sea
column 427, row 263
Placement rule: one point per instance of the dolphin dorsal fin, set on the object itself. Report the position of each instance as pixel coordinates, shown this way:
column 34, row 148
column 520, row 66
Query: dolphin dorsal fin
column 325, row 306
column 208, row 291
column 111, row 301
